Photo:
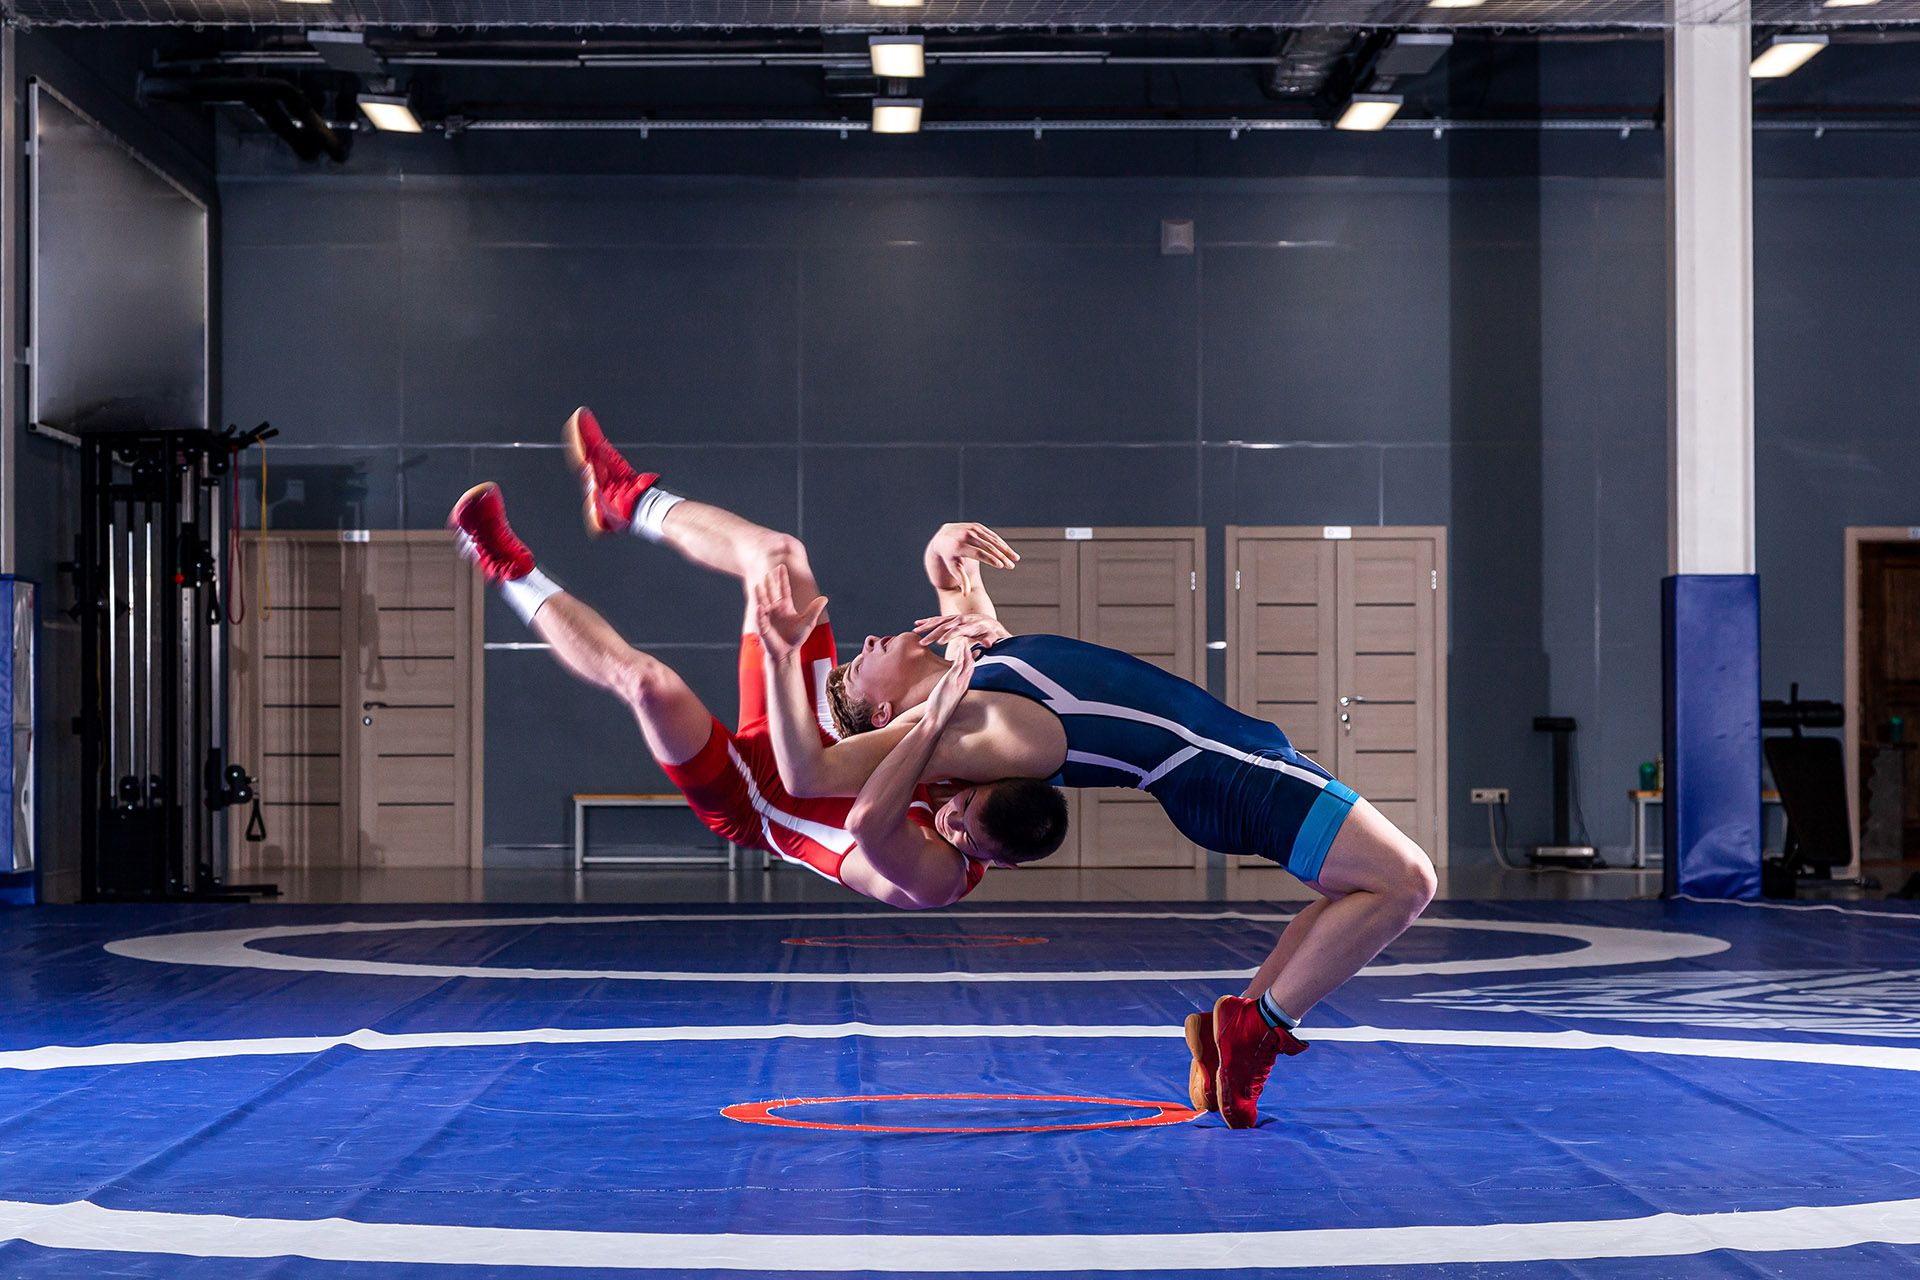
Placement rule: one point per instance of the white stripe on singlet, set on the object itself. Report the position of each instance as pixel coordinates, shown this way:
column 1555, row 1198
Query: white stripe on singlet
column 1056, row 699
column 834, row 838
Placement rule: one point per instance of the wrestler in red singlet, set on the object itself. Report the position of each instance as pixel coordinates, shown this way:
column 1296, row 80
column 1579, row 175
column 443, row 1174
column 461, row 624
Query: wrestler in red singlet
column 733, row 784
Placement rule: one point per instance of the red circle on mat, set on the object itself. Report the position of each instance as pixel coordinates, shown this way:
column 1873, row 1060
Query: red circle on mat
column 762, row 1113
column 898, row 940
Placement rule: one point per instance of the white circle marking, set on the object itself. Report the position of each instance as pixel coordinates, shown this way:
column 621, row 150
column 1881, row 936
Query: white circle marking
column 234, row 949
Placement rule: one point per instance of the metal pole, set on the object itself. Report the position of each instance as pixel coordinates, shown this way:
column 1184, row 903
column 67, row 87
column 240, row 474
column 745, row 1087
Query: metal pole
column 112, row 683
column 133, row 758
column 152, row 747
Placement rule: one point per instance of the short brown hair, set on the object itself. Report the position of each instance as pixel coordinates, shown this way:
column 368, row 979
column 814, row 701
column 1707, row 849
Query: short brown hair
column 850, row 716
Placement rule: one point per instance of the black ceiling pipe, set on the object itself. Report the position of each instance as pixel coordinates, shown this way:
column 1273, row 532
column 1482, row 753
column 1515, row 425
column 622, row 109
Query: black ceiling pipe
column 279, row 105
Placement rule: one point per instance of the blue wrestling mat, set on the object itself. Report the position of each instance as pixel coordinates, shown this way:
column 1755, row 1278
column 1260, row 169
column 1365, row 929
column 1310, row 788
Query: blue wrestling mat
column 1631, row 1089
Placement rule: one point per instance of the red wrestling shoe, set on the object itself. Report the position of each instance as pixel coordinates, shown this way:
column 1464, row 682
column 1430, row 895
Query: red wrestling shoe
column 1206, row 1061
column 612, row 487
column 1248, row 1048
column 480, row 529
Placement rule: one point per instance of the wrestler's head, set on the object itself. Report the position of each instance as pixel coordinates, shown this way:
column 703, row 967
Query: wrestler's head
column 1006, row 823
column 891, row 674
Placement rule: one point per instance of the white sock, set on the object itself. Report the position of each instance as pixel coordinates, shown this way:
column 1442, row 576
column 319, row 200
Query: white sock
column 650, row 513
column 525, row 595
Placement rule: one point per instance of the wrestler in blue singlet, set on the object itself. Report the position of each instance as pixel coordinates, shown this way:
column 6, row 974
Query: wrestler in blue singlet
column 1230, row 783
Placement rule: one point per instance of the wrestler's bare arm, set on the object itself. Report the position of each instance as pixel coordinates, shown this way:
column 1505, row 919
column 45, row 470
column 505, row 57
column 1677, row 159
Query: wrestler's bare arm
column 919, row 866
column 953, row 558
column 979, row 744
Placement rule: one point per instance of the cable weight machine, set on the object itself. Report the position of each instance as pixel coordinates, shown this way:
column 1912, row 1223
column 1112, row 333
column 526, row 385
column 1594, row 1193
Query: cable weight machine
column 155, row 577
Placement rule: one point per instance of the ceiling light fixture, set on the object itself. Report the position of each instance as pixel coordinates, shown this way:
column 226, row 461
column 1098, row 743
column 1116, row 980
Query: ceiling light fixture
column 896, row 115
column 389, row 112
column 896, row 4
column 1369, row 112
column 1455, row 4
column 1848, row 4
column 1785, row 55
column 900, row 57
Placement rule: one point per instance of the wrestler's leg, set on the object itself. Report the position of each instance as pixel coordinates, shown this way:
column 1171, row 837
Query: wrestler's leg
column 715, row 538
column 623, row 500
column 1377, row 881
column 674, row 721
column 1290, row 940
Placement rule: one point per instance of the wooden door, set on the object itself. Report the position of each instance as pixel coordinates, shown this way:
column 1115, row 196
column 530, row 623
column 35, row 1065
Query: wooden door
column 415, row 692
column 356, row 702
column 1890, row 687
column 1136, row 590
column 1140, row 594
column 1339, row 637
column 287, row 708
column 1281, row 626
column 1385, row 672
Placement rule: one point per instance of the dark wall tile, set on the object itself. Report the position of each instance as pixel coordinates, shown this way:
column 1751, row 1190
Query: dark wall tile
column 328, row 212
column 1055, row 342
column 1333, row 344
column 680, row 344
column 867, row 515
column 1298, row 485
column 1416, row 485
column 1089, row 485
column 312, row 340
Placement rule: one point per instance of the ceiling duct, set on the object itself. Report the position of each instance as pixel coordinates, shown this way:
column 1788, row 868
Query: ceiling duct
column 1306, row 62
column 278, row 105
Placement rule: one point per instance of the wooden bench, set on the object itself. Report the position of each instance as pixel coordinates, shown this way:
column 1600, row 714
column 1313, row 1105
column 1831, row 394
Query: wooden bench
column 668, row 800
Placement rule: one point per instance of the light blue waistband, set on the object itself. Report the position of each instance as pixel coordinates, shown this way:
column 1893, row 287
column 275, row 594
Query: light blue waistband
column 1318, row 829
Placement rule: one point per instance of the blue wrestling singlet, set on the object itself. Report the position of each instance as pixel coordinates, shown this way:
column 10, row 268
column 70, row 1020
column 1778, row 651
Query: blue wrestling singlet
column 1230, row 783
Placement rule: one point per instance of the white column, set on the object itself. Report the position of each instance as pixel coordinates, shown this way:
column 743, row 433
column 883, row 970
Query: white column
column 1709, row 288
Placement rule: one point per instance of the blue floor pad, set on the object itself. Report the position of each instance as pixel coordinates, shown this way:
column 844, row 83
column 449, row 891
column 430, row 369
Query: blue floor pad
column 1609, row 1089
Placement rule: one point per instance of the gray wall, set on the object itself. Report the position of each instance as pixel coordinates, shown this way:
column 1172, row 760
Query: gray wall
column 1467, row 333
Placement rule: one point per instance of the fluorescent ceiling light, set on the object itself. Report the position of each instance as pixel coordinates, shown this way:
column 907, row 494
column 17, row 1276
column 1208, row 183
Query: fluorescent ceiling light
column 901, row 57
column 896, row 4
column 1455, row 4
column 1369, row 112
column 1785, row 55
column 1848, row 4
column 389, row 112
column 896, row 115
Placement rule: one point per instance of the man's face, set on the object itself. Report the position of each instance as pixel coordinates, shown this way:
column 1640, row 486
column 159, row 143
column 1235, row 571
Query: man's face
column 888, row 668
column 958, row 822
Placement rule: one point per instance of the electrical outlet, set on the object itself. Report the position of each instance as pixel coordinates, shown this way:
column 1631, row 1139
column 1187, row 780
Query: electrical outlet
column 1488, row 795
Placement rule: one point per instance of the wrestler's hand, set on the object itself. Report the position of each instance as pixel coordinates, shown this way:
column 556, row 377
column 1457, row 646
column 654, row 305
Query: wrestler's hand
column 958, row 550
column 976, row 628
column 946, row 695
column 781, row 626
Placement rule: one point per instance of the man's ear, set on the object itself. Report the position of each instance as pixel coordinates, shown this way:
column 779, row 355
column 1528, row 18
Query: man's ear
column 881, row 714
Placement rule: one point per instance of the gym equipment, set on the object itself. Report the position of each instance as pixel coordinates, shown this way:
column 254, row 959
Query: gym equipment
column 154, row 550
column 1811, row 776
column 1563, row 852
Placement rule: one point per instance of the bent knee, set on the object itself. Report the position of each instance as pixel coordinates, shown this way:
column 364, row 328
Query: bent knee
column 771, row 548
column 646, row 682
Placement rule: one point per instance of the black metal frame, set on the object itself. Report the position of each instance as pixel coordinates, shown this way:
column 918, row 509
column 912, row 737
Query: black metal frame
column 152, row 556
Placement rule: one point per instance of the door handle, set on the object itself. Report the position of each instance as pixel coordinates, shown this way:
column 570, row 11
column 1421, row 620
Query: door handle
column 1347, row 702
column 368, row 706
